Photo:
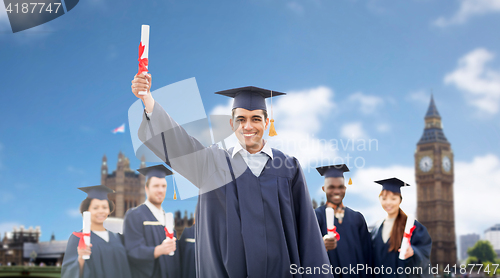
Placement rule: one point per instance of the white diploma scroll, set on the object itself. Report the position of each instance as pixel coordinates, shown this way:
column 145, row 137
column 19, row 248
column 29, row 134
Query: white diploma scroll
column 329, row 222
column 169, row 224
column 405, row 243
column 145, row 54
column 86, row 230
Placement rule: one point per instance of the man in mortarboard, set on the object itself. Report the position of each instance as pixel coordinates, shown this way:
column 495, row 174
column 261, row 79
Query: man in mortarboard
column 354, row 244
column 254, row 212
column 147, row 246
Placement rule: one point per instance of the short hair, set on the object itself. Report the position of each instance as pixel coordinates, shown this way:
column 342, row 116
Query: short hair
column 263, row 111
column 148, row 181
column 84, row 206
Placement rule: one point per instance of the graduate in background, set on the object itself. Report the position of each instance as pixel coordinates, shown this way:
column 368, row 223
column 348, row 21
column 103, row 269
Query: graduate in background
column 186, row 248
column 254, row 216
column 108, row 258
column 147, row 246
column 388, row 234
column 354, row 245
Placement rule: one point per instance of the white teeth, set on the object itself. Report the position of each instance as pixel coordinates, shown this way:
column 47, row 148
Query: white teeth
column 248, row 135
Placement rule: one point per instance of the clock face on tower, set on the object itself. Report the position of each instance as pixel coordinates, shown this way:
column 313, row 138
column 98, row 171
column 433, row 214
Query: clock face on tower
column 425, row 164
column 446, row 164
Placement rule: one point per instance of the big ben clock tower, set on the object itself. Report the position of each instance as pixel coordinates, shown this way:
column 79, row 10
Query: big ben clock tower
column 434, row 177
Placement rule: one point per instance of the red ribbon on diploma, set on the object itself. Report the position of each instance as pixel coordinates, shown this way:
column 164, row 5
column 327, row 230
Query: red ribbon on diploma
column 143, row 63
column 167, row 234
column 408, row 235
column 81, row 243
column 334, row 230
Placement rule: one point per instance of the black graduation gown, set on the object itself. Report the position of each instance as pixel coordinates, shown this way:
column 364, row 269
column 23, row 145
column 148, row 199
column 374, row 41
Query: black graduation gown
column 186, row 247
column 247, row 226
column 108, row 259
column 142, row 233
column 420, row 242
column 354, row 246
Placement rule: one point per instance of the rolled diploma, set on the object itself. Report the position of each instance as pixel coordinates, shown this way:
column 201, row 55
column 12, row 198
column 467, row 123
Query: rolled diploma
column 330, row 221
column 86, row 230
column 169, row 224
column 145, row 54
column 405, row 243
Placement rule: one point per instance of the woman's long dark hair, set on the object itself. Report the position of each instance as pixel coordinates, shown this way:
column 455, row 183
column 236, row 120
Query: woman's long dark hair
column 398, row 228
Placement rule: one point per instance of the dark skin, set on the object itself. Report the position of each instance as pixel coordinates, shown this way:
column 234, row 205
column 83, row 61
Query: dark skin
column 335, row 190
column 335, row 193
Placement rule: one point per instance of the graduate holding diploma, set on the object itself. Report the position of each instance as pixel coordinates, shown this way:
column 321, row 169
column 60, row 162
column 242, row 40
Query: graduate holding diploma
column 388, row 234
column 150, row 248
column 105, row 256
column 353, row 246
column 254, row 216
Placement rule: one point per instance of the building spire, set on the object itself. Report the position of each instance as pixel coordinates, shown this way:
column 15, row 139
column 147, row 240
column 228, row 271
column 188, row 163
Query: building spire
column 432, row 111
column 433, row 131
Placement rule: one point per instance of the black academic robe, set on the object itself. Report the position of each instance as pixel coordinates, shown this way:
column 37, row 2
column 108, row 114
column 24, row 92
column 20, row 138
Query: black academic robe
column 142, row 233
column 108, row 259
column 420, row 242
column 186, row 247
column 354, row 246
column 246, row 226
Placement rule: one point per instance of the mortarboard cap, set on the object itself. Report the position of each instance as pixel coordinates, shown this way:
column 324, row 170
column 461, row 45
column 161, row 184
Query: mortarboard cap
column 97, row 192
column 158, row 171
column 252, row 98
column 249, row 98
column 333, row 171
column 392, row 184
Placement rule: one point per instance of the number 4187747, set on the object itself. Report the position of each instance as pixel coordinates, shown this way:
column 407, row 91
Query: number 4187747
column 32, row 8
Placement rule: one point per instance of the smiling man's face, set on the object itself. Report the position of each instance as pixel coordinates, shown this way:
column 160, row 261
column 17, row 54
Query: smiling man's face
column 249, row 128
column 334, row 189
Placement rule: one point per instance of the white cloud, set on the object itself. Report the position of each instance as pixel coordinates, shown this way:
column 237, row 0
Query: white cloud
column 420, row 96
column 476, row 192
column 295, row 7
column 477, row 185
column 74, row 213
column 480, row 84
column 223, row 109
column 468, row 9
column 353, row 130
column 383, row 127
column 295, row 127
column 367, row 104
column 7, row 227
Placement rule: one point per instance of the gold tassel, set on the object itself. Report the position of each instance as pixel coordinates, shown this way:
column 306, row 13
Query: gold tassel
column 173, row 184
column 272, row 131
column 350, row 181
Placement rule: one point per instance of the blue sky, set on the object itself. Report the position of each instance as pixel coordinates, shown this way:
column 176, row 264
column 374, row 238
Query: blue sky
column 353, row 69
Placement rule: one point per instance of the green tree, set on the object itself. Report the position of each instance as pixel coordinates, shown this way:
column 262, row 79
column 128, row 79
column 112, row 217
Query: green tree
column 483, row 251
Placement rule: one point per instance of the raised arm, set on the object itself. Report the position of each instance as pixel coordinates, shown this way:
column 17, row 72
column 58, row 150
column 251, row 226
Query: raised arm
column 170, row 142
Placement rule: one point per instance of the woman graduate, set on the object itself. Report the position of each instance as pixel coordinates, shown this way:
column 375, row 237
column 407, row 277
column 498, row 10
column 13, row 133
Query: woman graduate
column 388, row 234
column 108, row 257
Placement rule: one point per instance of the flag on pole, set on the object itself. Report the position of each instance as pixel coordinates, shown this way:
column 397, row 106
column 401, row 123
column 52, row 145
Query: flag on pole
column 120, row 129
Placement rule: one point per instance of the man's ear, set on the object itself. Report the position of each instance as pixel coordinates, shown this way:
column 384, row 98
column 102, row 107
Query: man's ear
column 267, row 123
column 231, row 124
column 323, row 187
